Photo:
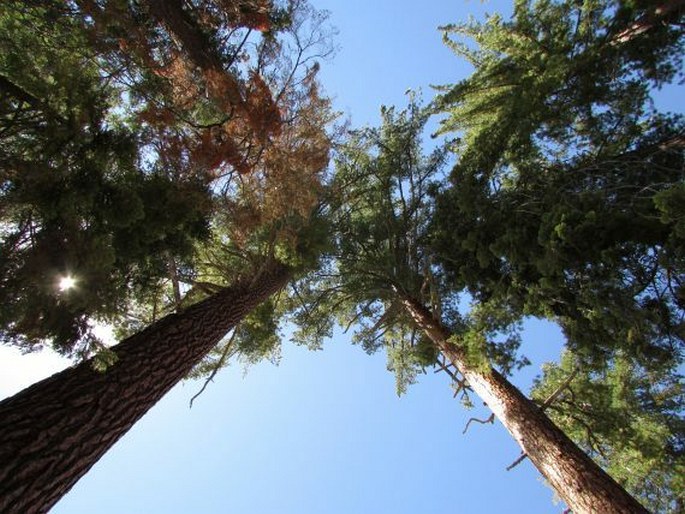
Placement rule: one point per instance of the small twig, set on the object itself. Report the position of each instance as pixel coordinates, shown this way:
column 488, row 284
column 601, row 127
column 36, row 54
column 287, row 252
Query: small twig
column 462, row 386
column 442, row 365
column 446, row 368
column 518, row 461
column 490, row 419
column 461, row 383
column 219, row 365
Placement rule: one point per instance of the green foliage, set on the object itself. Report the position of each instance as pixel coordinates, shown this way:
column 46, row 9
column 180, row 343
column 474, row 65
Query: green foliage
column 670, row 203
column 103, row 359
column 594, row 254
column 377, row 218
column 124, row 129
column 492, row 337
column 257, row 338
column 312, row 239
column 380, row 210
column 566, row 203
column 554, row 81
column 407, row 359
column 76, row 200
column 628, row 419
column 310, row 308
column 563, row 203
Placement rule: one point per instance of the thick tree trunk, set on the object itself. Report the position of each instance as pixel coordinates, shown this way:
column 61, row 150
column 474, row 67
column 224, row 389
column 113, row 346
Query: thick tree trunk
column 578, row 480
column 53, row 432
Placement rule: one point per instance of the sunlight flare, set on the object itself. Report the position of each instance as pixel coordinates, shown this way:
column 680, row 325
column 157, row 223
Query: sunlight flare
column 66, row 283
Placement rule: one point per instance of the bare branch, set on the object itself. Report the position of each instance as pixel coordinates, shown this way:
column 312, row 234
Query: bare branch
column 460, row 382
column 220, row 364
column 552, row 397
column 518, row 461
column 490, row 419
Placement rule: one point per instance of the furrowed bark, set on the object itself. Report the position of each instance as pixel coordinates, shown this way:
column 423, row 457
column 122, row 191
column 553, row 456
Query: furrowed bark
column 53, row 432
column 579, row 481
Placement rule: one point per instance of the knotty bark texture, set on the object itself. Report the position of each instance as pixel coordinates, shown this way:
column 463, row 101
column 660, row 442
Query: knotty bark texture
column 578, row 480
column 52, row 432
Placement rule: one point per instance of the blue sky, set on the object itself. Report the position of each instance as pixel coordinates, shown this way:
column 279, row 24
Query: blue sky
column 324, row 432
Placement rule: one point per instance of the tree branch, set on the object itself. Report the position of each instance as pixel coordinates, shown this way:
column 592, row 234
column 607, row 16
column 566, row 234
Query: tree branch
column 217, row 367
column 490, row 419
column 461, row 383
column 518, row 461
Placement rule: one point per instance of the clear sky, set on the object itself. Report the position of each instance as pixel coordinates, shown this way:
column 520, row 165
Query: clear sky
column 324, row 432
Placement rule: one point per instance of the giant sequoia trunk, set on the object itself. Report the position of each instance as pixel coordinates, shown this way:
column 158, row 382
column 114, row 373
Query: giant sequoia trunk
column 53, row 432
column 578, row 480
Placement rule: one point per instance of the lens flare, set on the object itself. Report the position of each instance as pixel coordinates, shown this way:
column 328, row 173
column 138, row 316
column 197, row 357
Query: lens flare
column 66, row 283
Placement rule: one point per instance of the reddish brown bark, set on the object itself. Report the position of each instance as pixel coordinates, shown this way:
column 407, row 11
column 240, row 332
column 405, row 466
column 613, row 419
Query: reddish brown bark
column 53, row 432
column 577, row 479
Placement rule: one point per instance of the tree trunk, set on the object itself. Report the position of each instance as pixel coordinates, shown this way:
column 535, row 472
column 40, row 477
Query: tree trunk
column 52, row 432
column 666, row 12
column 198, row 48
column 579, row 481
column 9, row 88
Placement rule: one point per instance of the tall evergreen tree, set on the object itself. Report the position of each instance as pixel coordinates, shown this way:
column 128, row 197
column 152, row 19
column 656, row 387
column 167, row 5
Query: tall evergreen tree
column 383, row 277
column 253, row 147
column 564, row 204
column 76, row 199
column 125, row 129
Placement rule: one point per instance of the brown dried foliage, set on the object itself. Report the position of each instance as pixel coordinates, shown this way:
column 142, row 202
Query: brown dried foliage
column 274, row 148
column 287, row 180
column 251, row 14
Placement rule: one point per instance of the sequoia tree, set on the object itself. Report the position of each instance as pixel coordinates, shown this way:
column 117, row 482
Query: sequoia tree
column 164, row 98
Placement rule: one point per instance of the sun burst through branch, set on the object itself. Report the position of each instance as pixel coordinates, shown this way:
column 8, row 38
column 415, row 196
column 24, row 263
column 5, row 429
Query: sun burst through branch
column 67, row 282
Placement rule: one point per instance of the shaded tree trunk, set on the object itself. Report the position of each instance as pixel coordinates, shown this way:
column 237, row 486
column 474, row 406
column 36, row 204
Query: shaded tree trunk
column 579, row 481
column 52, row 432
column 197, row 47
column 665, row 12
column 9, row 89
